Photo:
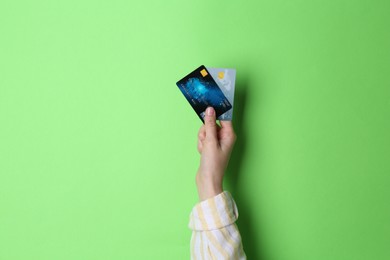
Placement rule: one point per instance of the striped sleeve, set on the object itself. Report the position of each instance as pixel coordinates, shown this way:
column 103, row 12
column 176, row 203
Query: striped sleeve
column 214, row 232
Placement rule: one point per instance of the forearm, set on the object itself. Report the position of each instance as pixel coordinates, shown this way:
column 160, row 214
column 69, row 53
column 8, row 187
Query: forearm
column 208, row 188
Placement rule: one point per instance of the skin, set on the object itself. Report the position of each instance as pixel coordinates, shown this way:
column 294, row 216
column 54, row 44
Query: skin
column 215, row 144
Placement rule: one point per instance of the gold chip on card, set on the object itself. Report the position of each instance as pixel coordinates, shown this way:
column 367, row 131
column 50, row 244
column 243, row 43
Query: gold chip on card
column 203, row 72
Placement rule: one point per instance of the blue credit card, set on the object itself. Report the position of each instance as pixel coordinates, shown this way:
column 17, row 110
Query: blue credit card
column 201, row 91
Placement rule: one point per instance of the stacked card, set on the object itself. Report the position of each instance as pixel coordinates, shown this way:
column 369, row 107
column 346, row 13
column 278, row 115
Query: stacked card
column 206, row 87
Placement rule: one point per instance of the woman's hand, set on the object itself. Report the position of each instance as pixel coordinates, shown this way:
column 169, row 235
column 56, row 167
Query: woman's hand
column 215, row 144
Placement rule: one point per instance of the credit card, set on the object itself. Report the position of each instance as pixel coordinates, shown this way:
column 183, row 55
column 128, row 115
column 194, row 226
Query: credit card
column 226, row 80
column 201, row 91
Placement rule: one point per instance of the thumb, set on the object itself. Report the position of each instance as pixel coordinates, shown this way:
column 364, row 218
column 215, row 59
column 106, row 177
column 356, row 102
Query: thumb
column 210, row 124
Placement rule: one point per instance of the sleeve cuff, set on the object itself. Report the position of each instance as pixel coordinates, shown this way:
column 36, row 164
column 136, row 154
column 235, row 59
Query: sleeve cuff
column 214, row 213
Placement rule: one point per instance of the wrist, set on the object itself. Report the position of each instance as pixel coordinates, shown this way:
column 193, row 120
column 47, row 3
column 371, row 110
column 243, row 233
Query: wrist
column 207, row 188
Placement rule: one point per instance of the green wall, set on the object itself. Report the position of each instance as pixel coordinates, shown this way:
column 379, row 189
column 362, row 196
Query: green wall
column 98, row 146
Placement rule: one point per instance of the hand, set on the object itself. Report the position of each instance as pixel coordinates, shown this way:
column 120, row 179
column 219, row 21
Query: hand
column 215, row 144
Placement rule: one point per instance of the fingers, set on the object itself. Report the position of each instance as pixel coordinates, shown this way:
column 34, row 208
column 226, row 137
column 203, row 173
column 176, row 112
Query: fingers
column 227, row 135
column 210, row 124
column 202, row 133
column 200, row 146
column 227, row 128
column 226, row 125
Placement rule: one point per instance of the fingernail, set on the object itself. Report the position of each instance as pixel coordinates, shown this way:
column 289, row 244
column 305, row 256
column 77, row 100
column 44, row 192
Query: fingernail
column 210, row 111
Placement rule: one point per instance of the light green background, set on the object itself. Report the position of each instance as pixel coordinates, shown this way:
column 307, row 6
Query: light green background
column 98, row 146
